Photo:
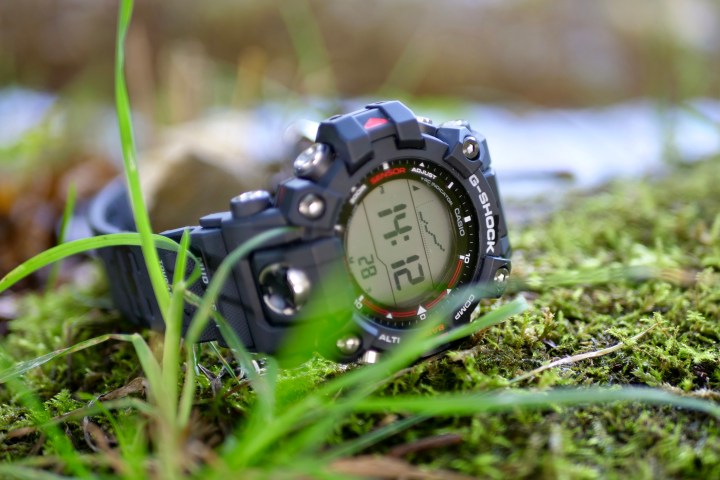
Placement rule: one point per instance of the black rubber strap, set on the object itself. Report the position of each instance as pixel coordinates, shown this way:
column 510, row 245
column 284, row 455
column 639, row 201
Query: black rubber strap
column 130, row 283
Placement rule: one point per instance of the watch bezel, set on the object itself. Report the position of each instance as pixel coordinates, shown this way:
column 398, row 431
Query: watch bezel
column 382, row 337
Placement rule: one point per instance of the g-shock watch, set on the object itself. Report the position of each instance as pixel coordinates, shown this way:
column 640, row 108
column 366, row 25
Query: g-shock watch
column 392, row 213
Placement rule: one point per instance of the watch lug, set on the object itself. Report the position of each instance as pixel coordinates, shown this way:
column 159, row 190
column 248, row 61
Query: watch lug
column 369, row 357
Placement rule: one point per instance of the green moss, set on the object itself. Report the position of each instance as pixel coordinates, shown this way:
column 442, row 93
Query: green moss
column 671, row 224
column 63, row 318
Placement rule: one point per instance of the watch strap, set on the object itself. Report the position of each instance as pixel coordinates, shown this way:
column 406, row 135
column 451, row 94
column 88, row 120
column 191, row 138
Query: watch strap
column 130, row 284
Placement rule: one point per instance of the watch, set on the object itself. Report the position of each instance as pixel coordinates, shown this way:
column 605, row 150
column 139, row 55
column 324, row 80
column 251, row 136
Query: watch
column 392, row 216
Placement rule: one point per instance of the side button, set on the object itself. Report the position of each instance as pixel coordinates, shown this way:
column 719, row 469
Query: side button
column 214, row 220
column 250, row 203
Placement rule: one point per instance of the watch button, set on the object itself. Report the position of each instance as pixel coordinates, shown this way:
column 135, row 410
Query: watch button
column 250, row 203
column 313, row 162
column 348, row 344
column 456, row 123
column 214, row 220
column 426, row 126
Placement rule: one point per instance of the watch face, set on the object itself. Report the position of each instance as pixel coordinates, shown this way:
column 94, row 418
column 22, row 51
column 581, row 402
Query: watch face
column 410, row 238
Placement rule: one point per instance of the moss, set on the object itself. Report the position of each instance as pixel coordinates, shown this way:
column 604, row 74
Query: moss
column 63, row 318
column 671, row 224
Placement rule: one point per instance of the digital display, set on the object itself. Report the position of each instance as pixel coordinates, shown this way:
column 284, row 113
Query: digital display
column 400, row 242
column 411, row 235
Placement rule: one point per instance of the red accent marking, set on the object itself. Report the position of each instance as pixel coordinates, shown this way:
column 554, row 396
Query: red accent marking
column 387, row 173
column 439, row 297
column 455, row 275
column 280, row 194
column 408, row 313
column 374, row 307
column 374, row 122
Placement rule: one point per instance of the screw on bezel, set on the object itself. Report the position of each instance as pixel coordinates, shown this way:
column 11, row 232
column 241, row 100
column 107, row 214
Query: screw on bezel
column 502, row 275
column 313, row 162
column 311, row 206
column 348, row 344
column 471, row 148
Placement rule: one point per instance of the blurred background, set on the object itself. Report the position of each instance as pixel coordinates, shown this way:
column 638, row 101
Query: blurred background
column 569, row 93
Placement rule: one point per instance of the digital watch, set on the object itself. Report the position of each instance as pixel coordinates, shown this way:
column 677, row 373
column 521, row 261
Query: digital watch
column 392, row 214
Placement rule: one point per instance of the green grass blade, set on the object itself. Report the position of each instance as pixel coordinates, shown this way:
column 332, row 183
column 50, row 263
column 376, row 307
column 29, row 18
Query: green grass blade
column 203, row 313
column 464, row 404
column 316, row 409
column 206, row 309
column 586, row 277
column 354, row 446
column 188, row 389
column 166, row 433
column 223, row 361
column 152, row 370
column 23, row 367
column 20, row 472
column 264, row 385
column 67, row 215
column 417, row 345
column 79, row 246
column 127, row 140
column 173, row 326
column 362, row 382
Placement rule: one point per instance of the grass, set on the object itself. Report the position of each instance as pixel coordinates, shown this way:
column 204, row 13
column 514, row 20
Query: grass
column 630, row 272
column 66, row 217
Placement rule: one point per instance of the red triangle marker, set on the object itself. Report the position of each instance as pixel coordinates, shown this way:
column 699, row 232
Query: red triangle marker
column 374, row 122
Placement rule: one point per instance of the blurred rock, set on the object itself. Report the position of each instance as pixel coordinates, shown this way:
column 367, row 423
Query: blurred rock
column 197, row 167
column 87, row 175
column 8, row 307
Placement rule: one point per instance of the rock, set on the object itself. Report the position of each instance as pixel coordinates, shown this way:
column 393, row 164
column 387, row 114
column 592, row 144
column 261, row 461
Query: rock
column 197, row 167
